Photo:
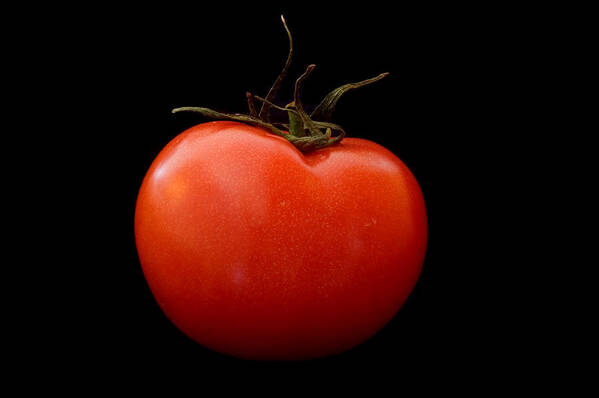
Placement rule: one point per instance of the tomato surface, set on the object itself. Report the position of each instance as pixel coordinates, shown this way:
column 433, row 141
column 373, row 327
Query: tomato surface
column 259, row 251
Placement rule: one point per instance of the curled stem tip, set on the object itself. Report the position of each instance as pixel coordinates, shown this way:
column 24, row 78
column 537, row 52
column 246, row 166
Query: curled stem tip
column 325, row 109
column 182, row 109
column 265, row 108
column 298, row 86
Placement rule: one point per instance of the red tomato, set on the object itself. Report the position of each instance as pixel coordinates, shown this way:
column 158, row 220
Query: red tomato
column 257, row 250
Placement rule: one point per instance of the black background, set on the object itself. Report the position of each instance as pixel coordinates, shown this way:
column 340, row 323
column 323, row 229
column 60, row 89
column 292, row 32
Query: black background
column 460, row 79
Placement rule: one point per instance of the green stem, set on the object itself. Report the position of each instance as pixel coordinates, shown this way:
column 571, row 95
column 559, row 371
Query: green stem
column 304, row 132
column 325, row 109
column 265, row 109
column 306, row 121
column 251, row 106
column 296, row 126
column 232, row 116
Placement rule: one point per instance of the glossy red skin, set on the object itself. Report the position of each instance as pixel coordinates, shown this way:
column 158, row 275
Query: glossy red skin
column 256, row 250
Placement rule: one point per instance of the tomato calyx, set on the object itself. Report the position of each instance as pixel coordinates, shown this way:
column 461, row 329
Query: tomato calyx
column 304, row 131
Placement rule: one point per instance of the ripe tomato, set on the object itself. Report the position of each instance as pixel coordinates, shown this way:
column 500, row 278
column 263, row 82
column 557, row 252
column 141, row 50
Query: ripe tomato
column 257, row 250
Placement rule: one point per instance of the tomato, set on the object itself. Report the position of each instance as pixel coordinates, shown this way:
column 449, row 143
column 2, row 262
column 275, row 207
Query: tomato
column 257, row 250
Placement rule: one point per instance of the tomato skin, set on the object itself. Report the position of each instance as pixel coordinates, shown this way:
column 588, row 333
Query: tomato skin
column 256, row 250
